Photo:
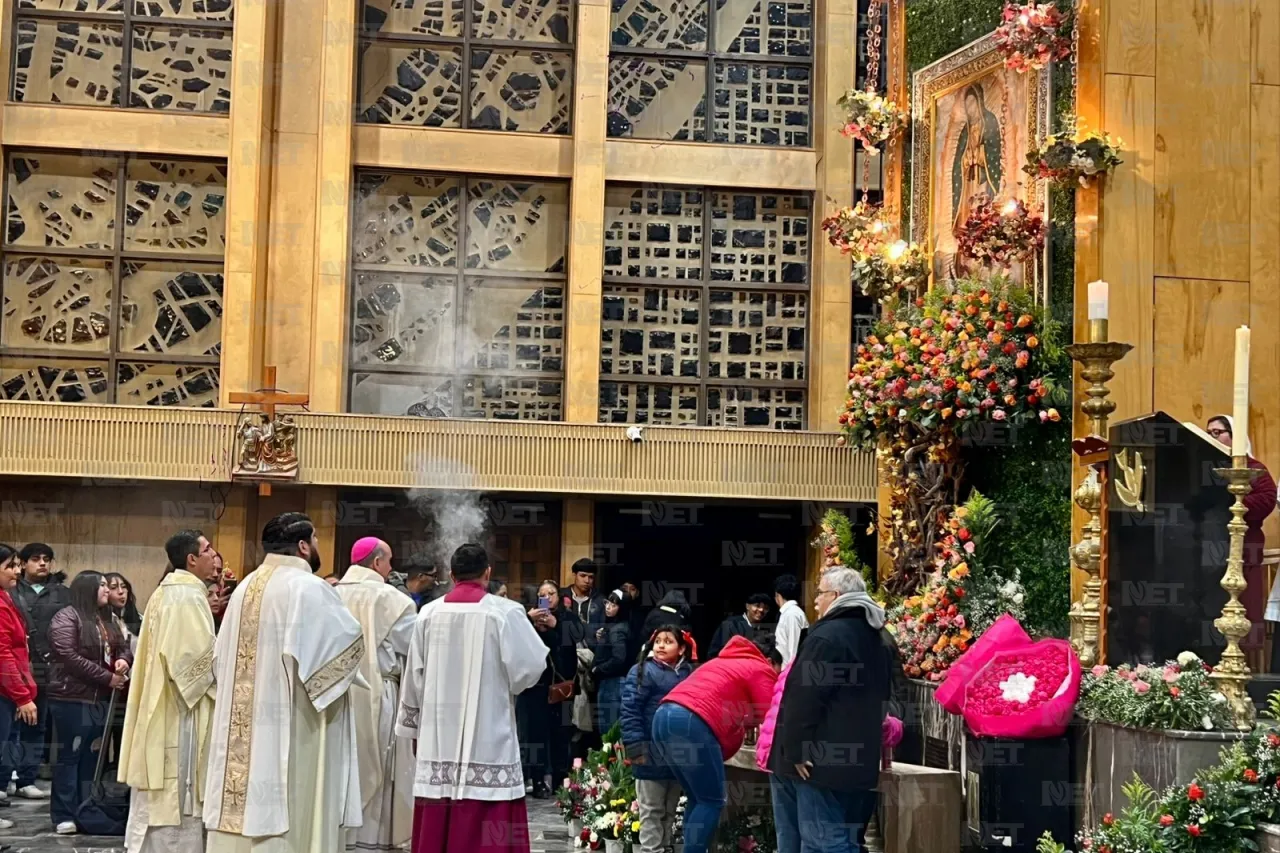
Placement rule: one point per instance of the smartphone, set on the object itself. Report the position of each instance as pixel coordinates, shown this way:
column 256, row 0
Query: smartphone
column 544, row 603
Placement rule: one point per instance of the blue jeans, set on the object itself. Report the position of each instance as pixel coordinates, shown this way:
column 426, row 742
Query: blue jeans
column 608, row 704
column 8, row 746
column 78, row 725
column 693, row 754
column 26, row 748
column 832, row 821
column 786, row 818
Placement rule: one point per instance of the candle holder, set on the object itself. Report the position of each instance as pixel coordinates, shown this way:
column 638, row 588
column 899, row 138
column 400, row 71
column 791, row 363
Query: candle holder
column 1086, row 555
column 1232, row 674
column 1095, row 359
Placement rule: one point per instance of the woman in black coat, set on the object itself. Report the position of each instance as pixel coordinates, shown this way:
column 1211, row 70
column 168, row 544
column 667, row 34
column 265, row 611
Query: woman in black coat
column 545, row 728
column 611, row 664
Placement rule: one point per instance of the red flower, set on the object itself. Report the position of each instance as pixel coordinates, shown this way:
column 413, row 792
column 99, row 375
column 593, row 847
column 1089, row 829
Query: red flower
column 1108, row 819
column 1250, row 775
column 964, row 534
column 1273, row 739
column 1175, row 692
column 1194, row 830
column 1166, row 820
column 1195, row 792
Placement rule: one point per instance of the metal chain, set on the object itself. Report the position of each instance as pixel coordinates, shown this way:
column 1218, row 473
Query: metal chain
column 1073, row 117
column 875, row 39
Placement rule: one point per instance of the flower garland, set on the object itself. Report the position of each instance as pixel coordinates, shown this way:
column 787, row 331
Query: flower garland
column 897, row 270
column 870, row 118
column 1030, row 36
column 1179, row 695
column 1065, row 158
column 859, row 230
column 1001, row 236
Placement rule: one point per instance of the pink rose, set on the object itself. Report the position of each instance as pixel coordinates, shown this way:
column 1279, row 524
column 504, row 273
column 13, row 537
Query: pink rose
column 1141, row 687
column 1170, row 674
column 1100, row 670
column 998, row 414
column 1044, row 416
column 969, row 547
column 577, row 764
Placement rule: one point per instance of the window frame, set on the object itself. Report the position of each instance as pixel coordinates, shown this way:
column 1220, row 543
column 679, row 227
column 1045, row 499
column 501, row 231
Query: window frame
column 116, row 257
column 705, row 285
column 481, row 277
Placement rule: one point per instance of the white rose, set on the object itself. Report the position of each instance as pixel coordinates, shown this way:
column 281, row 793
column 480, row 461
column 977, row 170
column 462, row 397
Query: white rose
column 1017, row 598
column 604, row 747
column 1187, row 659
column 1207, row 723
column 1219, row 699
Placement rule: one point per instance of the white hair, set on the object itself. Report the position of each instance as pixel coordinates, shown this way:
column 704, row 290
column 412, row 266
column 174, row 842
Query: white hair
column 842, row 579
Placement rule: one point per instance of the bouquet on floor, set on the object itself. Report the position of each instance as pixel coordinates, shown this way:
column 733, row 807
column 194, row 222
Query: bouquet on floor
column 614, row 819
column 750, row 831
column 1179, row 695
column 593, row 778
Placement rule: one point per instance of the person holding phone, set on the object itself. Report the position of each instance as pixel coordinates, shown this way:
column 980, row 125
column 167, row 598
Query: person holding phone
column 544, row 738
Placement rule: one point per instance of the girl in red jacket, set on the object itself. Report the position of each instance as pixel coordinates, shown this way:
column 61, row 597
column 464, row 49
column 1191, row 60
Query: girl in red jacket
column 703, row 722
column 17, row 687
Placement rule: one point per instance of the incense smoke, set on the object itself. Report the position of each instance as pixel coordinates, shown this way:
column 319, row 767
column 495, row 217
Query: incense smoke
column 453, row 519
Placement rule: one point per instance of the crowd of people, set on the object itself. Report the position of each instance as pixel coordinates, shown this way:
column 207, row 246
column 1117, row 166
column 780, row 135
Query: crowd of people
column 386, row 710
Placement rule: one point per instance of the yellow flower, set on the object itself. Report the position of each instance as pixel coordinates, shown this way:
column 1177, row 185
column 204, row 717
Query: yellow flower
column 635, row 826
column 960, row 572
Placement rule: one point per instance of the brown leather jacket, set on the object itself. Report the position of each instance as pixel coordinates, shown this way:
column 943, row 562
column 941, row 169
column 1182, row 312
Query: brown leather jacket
column 77, row 671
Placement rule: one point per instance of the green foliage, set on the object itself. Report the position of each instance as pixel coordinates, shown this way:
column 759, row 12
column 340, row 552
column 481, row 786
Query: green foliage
column 1046, row 844
column 1178, row 695
column 938, row 27
column 840, row 547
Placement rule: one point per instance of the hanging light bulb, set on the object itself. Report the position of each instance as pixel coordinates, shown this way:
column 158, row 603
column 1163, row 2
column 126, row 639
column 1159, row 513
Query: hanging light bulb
column 1010, row 207
column 895, row 251
column 877, row 226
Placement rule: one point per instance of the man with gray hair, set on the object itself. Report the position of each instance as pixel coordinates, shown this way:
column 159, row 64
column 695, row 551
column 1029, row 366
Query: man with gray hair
column 828, row 733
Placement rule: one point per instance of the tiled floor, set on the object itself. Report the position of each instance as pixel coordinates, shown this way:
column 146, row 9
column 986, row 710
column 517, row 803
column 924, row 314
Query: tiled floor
column 32, row 832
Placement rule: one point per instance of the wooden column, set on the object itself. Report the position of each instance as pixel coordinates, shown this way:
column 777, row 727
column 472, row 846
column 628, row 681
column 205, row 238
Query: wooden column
column 586, row 214
column 577, row 534
column 322, row 506
column 832, row 311
column 248, row 191
column 332, row 182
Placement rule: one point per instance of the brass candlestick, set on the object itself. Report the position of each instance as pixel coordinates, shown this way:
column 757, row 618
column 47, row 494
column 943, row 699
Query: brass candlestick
column 1086, row 555
column 1232, row 673
column 1095, row 359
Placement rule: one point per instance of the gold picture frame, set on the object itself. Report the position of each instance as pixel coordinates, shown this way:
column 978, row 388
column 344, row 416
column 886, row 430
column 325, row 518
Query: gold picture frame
column 948, row 99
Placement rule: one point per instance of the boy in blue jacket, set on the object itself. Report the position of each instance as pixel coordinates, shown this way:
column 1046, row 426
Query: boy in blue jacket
column 665, row 661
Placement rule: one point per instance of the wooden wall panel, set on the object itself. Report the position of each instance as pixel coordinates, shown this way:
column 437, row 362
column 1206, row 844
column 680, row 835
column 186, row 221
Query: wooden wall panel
column 1130, row 46
column 1264, row 282
column 1264, row 42
column 115, row 526
column 1202, row 139
column 1195, row 322
column 1127, row 238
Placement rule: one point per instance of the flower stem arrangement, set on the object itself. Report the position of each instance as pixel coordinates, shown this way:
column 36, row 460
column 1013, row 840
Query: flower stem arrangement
column 1031, row 35
column 895, row 270
column 961, row 599
column 870, row 118
column 750, row 831
column 1179, row 695
column 1001, row 235
column 859, row 230
column 1066, row 158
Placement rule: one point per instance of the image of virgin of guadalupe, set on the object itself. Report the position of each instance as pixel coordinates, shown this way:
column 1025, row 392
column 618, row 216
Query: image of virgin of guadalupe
column 977, row 172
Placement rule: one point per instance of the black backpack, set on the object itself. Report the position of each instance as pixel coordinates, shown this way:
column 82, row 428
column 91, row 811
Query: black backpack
column 106, row 812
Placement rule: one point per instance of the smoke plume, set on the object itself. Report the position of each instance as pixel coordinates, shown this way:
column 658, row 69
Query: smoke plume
column 453, row 519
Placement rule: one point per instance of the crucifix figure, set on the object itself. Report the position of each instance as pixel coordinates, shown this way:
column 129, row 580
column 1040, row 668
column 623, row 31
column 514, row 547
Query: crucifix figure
column 266, row 443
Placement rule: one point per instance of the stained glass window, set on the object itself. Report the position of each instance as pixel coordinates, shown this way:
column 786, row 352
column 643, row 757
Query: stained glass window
column 112, row 279
column 483, row 64
column 705, row 313
column 458, row 294
column 729, row 71
column 144, row 54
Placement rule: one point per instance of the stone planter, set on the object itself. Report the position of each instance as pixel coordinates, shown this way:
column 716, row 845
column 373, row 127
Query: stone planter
column 1110, row 755
column 575, row 828
column 1268, row 838
column 612, row 845
column 933, row 738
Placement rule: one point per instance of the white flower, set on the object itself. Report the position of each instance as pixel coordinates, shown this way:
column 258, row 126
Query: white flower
column 604, row 747
column 1017, row 598
column 1008, row 589
column 1219, row 698
column 1018, row 688
column 1186, row 659
column 1207, row 723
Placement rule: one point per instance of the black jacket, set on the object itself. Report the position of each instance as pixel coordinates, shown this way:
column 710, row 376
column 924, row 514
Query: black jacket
column 589, row 613
column 736, row 626
column 38, row 608
column 611, row 649
column 562, row 654
column 834, row 704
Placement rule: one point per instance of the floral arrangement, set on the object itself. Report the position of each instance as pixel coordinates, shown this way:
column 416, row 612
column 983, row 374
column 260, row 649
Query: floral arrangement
column 964, row 352
column 1179, row 695
column 870, row 118
column 1014, row 683
column 859, row 230
column 1217, row 812
column 1065, row 157
column 959, row 601
column 896, row 270
column 1030, row 36
column 751, row 831
column 1001, row 235
column 614, row 820
column 835, row 538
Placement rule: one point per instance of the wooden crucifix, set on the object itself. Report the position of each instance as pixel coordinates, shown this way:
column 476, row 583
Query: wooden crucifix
column 265, row 444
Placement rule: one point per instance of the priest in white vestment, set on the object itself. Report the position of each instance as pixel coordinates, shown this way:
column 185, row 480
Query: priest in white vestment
column 387, row 617
column 170, row 707
column 283, row 775
column 472, row 653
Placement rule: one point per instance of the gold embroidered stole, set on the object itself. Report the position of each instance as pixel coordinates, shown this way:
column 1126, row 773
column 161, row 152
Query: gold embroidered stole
column 235, row 778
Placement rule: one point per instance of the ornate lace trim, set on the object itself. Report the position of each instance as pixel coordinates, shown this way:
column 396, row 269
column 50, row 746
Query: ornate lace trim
column 335, row 670
column 449, row 773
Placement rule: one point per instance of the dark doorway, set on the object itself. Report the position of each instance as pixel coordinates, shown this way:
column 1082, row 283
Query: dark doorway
column 716, row 554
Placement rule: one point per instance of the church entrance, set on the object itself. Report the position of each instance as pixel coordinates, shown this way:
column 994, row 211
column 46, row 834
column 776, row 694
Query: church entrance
column 716, row 554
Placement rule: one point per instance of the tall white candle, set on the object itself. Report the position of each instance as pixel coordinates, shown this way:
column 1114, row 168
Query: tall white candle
column 1240, row 395
column 1099, row 293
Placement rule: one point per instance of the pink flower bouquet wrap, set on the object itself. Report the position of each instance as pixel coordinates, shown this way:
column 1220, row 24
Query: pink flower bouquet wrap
column 1005, row 633
column 1024, row 692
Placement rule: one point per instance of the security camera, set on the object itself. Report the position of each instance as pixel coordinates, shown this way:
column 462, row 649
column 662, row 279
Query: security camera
column 635, row 434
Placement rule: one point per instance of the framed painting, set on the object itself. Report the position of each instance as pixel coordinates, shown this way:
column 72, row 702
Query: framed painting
column 975, row 121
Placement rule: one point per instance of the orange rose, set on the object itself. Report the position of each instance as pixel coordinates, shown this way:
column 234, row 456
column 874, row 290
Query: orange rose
column 1033, row 342
column 1054, row 416
column 1025, row 320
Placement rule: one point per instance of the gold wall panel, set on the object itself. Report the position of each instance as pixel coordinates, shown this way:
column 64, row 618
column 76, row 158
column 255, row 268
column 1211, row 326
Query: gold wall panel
column 138, row 131
column 350, row 450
